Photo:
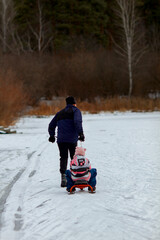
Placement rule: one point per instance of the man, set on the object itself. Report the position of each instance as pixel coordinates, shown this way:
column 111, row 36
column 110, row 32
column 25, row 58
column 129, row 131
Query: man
column 70, row 130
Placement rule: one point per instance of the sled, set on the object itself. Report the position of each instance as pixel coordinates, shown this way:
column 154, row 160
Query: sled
column 81, row 184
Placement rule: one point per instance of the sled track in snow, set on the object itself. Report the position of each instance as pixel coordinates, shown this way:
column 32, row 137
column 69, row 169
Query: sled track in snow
column 7, row 191
column 23, row 175
column 8, row 188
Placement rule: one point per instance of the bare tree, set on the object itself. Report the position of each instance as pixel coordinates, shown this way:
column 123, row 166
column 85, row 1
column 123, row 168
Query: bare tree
column 130, row 39
column 41, row 32
column 6, row 15
column 37, row 36
column 9, row 37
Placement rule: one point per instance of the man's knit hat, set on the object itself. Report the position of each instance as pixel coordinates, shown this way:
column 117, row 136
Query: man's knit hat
column 70, row 100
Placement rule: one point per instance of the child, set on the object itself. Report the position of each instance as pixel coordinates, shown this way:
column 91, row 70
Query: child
column 80, row 169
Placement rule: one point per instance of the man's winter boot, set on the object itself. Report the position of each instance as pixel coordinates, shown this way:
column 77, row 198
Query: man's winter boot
column 63, row 180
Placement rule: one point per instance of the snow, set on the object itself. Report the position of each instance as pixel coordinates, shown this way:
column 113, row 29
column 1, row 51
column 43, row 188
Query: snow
column 125, row 149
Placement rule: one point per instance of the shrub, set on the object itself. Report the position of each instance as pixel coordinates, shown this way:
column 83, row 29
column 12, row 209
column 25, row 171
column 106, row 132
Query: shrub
column 12, row 98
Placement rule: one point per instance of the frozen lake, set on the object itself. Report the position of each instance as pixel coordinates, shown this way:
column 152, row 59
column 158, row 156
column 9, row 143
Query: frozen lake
column 125, row 149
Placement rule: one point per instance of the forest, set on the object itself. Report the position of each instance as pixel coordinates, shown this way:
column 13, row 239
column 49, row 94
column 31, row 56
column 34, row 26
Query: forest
column 91, row 49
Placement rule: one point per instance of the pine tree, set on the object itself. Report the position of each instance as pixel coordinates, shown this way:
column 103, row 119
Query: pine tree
column 80, row 18
column 69, row 20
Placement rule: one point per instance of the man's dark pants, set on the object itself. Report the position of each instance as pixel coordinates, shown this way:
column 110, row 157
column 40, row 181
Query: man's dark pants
column 64, row 148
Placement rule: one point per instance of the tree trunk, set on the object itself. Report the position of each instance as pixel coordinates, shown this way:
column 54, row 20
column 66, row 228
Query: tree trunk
column 129, row 49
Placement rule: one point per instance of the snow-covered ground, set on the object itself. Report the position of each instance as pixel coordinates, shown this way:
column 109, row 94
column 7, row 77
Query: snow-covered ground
column 125, row 149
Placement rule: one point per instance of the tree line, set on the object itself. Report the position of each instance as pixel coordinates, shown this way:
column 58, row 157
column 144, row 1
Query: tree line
column 50, row 25
column 85, row 48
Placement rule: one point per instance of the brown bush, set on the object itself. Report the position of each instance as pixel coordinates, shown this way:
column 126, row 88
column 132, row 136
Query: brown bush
column 12, row 98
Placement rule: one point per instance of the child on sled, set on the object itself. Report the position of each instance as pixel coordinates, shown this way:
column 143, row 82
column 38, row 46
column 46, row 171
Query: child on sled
column 80, row 169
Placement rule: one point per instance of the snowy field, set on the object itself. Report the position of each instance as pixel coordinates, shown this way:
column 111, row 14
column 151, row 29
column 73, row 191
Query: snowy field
column 125, row 149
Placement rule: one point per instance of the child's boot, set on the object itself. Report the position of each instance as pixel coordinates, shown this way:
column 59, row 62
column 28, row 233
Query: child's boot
column 90, row 191
column 73, row 190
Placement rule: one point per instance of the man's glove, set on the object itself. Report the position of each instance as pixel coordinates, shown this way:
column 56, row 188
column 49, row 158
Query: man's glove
column 51, row 139
column 81, row 137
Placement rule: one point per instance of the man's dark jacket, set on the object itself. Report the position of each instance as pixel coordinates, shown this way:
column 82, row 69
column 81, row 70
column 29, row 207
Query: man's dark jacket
column 69, row 123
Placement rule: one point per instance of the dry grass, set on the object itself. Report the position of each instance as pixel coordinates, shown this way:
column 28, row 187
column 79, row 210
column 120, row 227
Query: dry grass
column 12, row 103
column 109, row 104
column 46, row 109
column 121, row 104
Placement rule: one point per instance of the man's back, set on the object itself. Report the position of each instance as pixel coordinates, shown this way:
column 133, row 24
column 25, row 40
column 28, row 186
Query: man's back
column 69, row 123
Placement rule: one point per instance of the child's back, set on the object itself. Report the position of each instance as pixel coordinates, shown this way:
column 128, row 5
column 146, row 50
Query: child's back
column 80, row 169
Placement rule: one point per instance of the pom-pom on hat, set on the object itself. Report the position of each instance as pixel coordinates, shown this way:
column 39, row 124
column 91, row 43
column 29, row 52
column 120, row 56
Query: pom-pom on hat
column 70, row 100
column 80, row 151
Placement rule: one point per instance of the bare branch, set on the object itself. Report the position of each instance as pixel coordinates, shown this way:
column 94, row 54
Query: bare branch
column 46, row 45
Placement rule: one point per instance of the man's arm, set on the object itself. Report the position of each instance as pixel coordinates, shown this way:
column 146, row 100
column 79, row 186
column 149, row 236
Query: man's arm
column 52, row 126
column 78, row 124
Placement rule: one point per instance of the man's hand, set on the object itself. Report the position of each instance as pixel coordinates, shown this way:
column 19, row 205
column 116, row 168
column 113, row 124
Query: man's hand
column 51, row 139
column 81, row 137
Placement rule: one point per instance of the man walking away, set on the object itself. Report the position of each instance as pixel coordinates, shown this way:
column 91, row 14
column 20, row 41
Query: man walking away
column 70, row 130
